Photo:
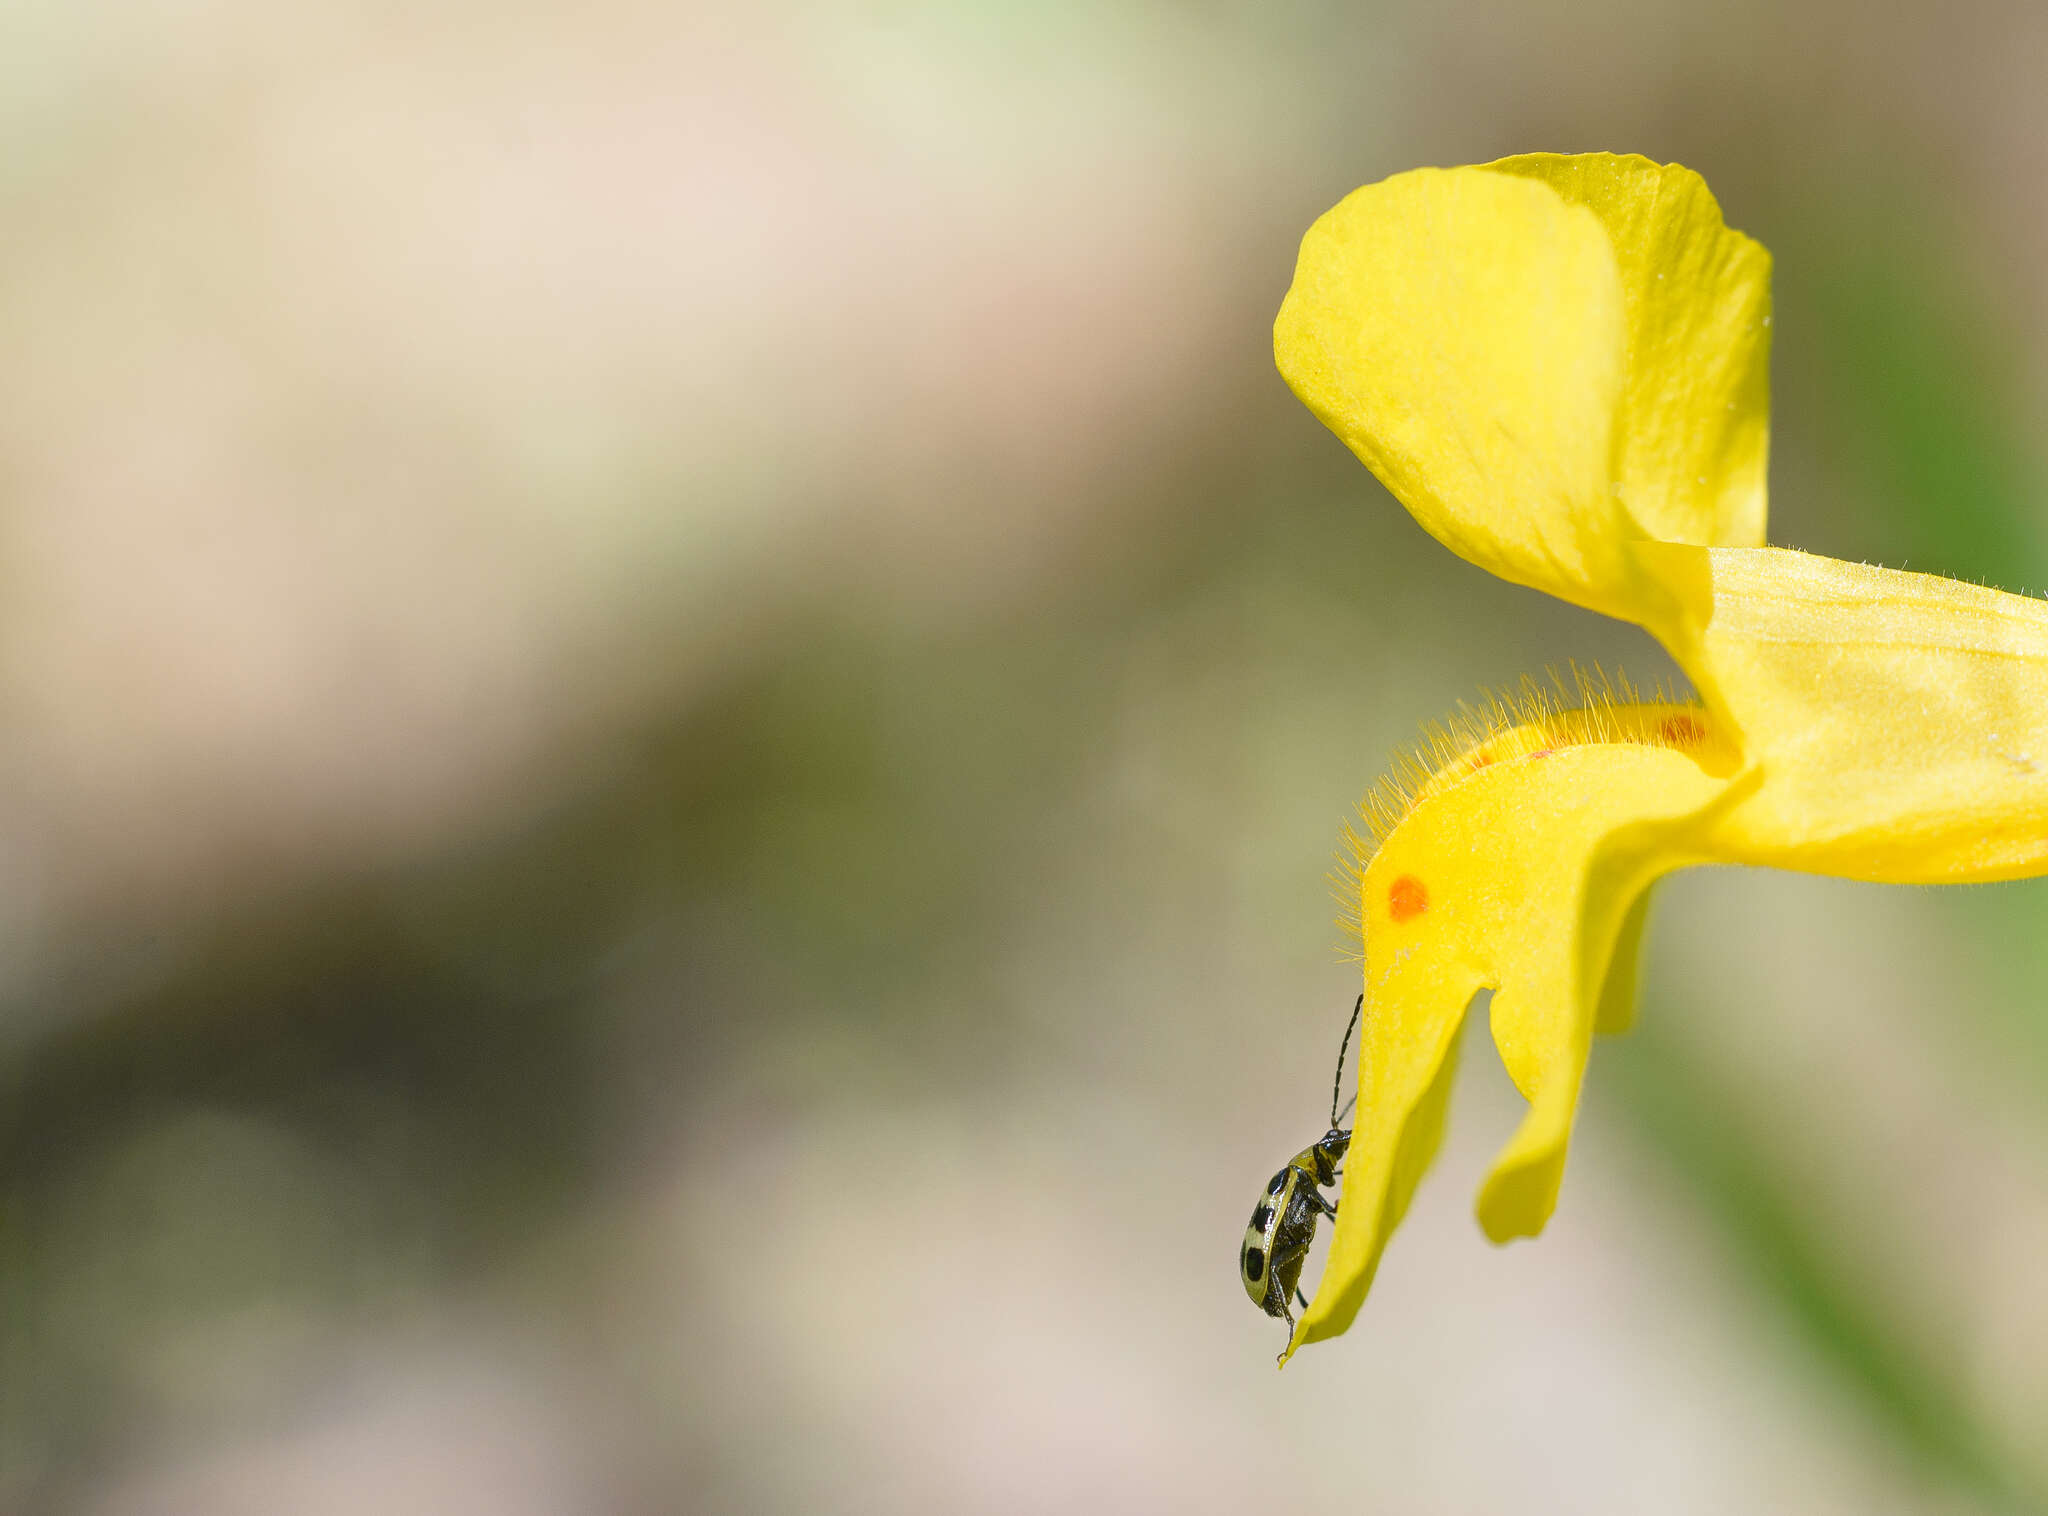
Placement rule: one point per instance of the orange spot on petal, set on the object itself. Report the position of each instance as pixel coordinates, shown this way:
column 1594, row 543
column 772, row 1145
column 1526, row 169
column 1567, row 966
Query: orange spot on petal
column 1682, row 731
column 1407, row 898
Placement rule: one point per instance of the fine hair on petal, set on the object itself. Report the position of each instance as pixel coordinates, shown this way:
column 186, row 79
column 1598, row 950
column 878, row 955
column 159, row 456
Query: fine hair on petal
column 1577, row 706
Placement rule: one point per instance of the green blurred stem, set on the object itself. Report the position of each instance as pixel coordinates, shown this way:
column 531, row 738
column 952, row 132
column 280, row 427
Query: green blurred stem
column 1692, row 1117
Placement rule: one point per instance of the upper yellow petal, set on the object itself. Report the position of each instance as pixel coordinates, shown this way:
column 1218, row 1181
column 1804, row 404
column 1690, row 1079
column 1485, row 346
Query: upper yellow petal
column 1693, row 437
column 1543, row 359
column 1462, row 331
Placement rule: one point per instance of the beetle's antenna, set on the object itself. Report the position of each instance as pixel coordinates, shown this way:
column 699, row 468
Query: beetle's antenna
column 1343, row 1047
column 1347, row 1106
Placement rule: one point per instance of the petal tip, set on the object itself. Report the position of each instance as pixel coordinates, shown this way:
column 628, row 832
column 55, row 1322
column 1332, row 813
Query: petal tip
column 1518, row 1198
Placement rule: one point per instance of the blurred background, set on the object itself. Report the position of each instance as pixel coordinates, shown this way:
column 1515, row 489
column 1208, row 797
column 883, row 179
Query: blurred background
column 675, row 690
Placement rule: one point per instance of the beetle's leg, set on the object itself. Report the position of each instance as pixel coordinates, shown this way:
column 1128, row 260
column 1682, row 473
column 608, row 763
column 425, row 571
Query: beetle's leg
column 1281, row 1261
column 1315, row 1199
column 1301, row 1297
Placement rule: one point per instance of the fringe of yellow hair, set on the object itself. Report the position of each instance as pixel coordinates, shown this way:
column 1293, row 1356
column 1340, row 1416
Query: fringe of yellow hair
column 1576, row 707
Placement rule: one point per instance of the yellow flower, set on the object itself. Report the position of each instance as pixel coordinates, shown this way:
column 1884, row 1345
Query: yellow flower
column 1559, row 366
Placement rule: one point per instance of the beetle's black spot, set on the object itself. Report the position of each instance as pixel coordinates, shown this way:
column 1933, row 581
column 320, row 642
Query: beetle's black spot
column 1260, row 1217
column 1254, row 1262
column 1278, row 1183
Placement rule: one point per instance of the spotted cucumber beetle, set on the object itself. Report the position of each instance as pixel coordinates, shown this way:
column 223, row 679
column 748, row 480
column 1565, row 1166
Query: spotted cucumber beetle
column 1284, row 1223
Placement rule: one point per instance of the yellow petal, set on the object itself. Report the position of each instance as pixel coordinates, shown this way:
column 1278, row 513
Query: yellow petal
column 1617, row 1009
column 1694, row 429
column 1522, row 876
column 1898, row 723
column 1495, row 343
column 1462, row 331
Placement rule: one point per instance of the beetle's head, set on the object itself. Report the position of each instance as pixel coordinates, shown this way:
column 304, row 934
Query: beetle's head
column 1328, row 1150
